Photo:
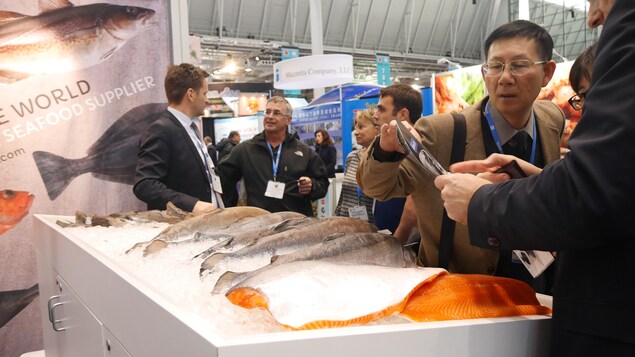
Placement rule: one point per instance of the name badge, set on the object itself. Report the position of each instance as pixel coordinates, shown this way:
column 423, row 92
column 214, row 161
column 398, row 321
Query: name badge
column 275, row 189
column 358, row 212
column 535, row 261
column 218, row 187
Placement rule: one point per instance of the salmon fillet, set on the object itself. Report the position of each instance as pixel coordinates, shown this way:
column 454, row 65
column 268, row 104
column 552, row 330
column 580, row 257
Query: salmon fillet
column 471, row 296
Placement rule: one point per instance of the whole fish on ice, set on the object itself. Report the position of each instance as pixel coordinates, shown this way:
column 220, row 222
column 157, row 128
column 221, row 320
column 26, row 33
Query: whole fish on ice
column 248, row 238
column 113, row 157
column 14, row 206
column 254, row 226
column 359, row 248
column 259, row 253
column 217, row 219
column 64, row 37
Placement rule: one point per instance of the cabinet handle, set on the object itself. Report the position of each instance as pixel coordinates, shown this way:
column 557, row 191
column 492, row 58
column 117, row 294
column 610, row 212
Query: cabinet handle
column 49, row 304
column 54, row 321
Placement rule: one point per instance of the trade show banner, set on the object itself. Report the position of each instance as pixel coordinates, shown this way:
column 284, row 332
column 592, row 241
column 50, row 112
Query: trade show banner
column 559, row 91
column 383, row 69
column 326, row 116
column 458, row 89
column 247, row 126
column 77, row 83
column 288, row 53
column 313, row 72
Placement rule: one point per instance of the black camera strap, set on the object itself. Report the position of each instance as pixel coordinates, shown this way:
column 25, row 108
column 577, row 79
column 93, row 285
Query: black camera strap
column 448, row 225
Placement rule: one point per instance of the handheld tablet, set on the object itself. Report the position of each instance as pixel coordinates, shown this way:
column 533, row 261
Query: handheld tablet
column 417, row 152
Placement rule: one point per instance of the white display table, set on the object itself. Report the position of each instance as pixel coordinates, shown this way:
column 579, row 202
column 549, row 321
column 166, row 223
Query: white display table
column 93, row 307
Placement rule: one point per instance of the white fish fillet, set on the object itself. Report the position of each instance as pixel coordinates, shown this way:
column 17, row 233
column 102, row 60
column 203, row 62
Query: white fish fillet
column 302, row 292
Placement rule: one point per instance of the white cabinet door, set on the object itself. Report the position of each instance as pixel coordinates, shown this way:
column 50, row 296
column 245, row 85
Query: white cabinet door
column 70, row 329
column 113, row 346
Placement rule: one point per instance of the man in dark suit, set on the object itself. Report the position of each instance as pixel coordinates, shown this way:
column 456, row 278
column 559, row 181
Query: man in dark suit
column 580, row 206
column 172, row 163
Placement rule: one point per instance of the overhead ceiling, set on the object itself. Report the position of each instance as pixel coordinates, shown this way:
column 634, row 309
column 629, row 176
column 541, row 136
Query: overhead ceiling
column 415, row 33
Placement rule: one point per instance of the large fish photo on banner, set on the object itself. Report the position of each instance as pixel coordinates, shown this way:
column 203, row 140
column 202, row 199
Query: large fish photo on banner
column 80, row 81
column 64, row 37
column 112, row 157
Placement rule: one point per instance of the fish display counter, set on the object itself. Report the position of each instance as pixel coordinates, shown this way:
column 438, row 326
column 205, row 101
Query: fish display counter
column 95, row 302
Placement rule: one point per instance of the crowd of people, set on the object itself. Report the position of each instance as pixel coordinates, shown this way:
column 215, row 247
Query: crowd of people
column 575, row 206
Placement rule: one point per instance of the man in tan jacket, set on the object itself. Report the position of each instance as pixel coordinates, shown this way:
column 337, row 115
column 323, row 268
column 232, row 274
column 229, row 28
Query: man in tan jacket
column 518, row 65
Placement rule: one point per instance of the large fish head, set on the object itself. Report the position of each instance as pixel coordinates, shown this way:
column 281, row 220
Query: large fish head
column 14, row 205
column 125, row 22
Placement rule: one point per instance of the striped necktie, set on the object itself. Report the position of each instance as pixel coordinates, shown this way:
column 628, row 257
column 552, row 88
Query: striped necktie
column 208, row 164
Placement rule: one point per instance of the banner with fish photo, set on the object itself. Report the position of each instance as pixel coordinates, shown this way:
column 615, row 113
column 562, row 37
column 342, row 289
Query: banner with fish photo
column 78, row 81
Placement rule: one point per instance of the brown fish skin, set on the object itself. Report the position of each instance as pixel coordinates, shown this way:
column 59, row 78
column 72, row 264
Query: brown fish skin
column 88, row 34
column 358, row 248
column 171, row 215
column 217, row 219
column 286, row 242
column 14, row 206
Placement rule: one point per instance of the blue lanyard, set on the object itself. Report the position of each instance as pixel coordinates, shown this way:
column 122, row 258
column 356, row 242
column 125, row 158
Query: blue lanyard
column 497, row 139
column 276, row 161
column 359, row 195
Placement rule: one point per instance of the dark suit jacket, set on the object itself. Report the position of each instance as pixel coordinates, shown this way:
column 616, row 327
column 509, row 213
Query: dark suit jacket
column 582, row 206
column 169, row 167
column 213, row 154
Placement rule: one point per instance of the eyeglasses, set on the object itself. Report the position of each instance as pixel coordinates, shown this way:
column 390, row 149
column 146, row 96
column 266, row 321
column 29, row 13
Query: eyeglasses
column 496, row 68
column 274, row 113
column 577, row 101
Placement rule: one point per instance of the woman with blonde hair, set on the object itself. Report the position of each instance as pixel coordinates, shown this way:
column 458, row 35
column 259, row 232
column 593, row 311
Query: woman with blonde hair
column 353, row 202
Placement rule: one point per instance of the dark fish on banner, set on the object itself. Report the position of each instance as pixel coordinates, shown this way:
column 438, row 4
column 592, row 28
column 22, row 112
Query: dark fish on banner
column 113, row 157
column 14, row 205
column 14, row 301
column 64, row 38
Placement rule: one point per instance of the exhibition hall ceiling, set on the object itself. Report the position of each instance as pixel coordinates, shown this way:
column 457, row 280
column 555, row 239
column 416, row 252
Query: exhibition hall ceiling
column 415, row 33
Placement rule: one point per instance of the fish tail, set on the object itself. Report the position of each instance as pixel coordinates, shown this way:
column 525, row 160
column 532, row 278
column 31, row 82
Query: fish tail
column 12, row 302
column 155, row 246
column 224, row 282
column 206, row 253
column 135, row 247
column 211, row 261
column 57, row 172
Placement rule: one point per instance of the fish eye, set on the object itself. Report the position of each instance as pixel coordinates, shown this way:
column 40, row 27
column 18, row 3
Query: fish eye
column 131, row 10
column 8, row 194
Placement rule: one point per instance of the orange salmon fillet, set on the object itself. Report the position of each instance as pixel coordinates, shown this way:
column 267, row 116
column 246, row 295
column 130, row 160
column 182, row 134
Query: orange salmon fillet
column 471, row 296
